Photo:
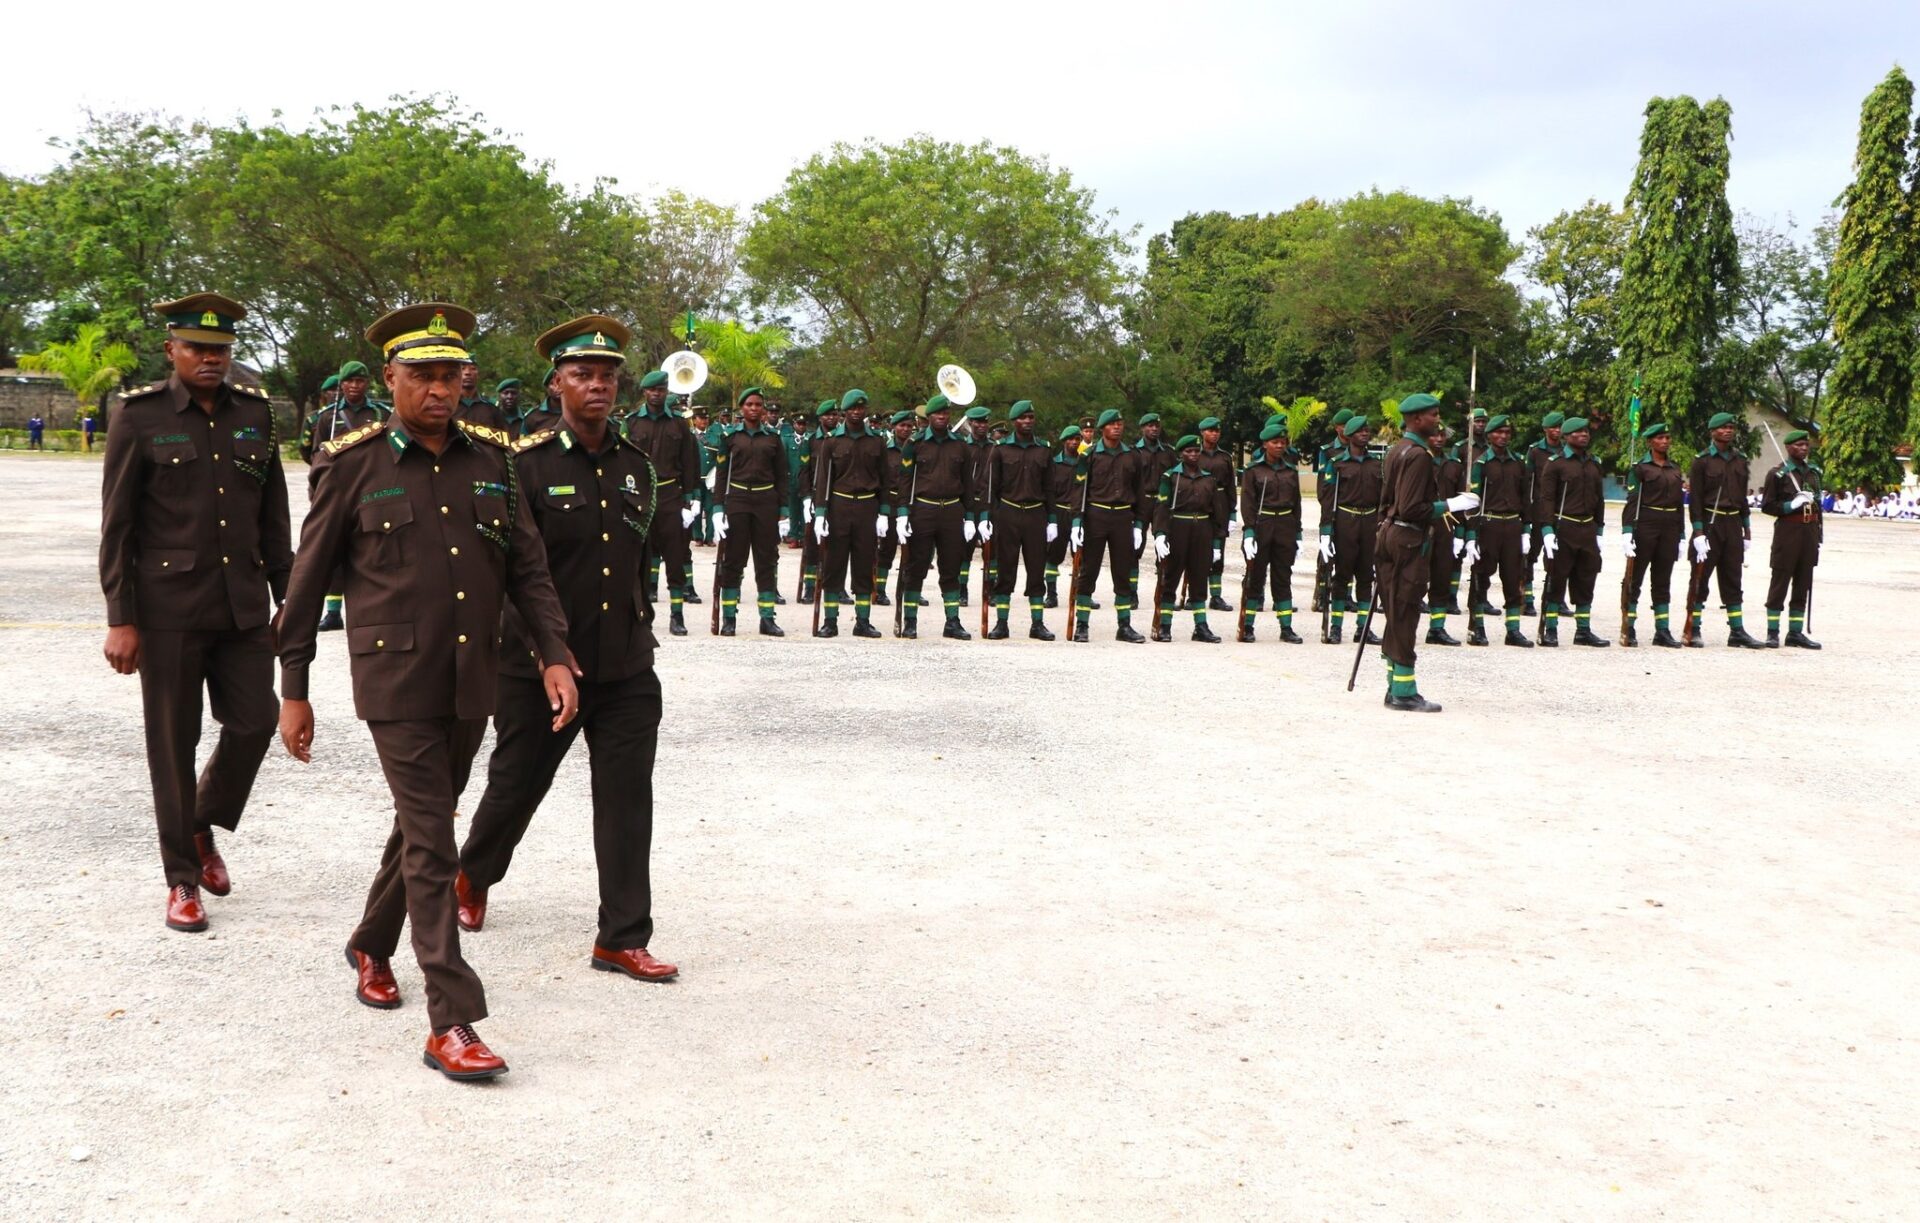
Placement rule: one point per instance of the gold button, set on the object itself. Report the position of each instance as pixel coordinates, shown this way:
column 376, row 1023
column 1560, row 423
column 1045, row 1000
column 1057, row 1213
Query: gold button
column 436, row 468
column 209, row 424
column 443, row 509
column 165, row 564
column 379, row 645
column 603, row 607
column 603, row 503
column 604, row 537
column 223, row 522
column 218, row 490
column 176, row 458
column 459, row 594
column 223, row 560
column 386, row 526
column 605, row 572
column 463, row 639
column 455, row 551
column 598, row 472
column 496, row 522
column 216, row 458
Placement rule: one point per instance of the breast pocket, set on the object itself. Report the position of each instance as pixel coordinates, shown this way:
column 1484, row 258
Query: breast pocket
column 490, row 518
column 386, row 531
column 179, row 459
column 636, row 511
column 251, row 458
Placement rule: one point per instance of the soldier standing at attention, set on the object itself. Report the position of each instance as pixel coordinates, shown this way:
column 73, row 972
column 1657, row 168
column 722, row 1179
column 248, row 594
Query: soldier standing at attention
column 1791, row 494
column 1495, row 533
column 1323, row 457
column 676, row 464
column 1157, row 457
column 1408, row 506
column 1016, row 522
column 1574, row 504
column 1063, row 502
column 1717, row 488
column 542, row 415
column 750, row 479
column 899, row 432
column 194, row 538
column 851, row 512
column 980, row 442
column 1186, row 520
column 1443, row 571
column 476, row 408
column 592, row 491
column 426, row 514
column 1349, row 526
column 1270, row 531
column 1110, row 517
column 1652, row 532
column 507, row 395
column 707, row 434
column 936, row 522
column 1219, row 465
column 1538, row 455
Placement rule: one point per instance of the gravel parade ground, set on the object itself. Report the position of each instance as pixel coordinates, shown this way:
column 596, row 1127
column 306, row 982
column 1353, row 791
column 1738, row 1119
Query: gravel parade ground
column 1021, row 929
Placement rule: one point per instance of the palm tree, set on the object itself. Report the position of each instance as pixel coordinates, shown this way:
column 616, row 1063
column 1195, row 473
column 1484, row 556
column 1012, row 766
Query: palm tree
column 1300, row 414
column 739, row 357
column 89, row 366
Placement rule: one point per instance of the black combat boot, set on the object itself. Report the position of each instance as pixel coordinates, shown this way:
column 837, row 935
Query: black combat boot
column 1080, row 633
column 1477, row 633
column 1773, row 638
column 677, row 624
column 999, row 632
column 1245, row 633
column 330, row 621
column 1586, row 636
column 1745, row 640
column 692, row 595
column 1129, row 634
column 1412, row 704
column 829, row 629
column 864, row 628
column 1516, row 637
column 1216, row 603
column 1373, row 638
column 726, row 627
column 880, row 598
column 769, row 627
column 779, row 600
column 1332, row 635
column 1550, row 636
column 1040, row 632
column 1289, row 636
column 1800, row 641
column 1664, row 639
column 1439, row 635
column 1202, row 633
column 1531, row 609
column 956, row 630
column 1161, row 632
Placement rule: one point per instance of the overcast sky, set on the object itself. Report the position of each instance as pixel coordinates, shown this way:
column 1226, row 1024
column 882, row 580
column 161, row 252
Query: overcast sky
column 1163, row 109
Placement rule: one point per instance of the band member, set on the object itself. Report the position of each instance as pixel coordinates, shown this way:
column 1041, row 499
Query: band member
column 592, row 492
column 194, row 539
column 1443, row 558
column 899, row 433
column 851, row 512
column 676, row 464
column 1791, row 494
column 1219, row 465
column 1717, row 492
column 1017, row 519
column 1111, row 518
column 1496, row 533
column 1270, row 531
column 1063, row 501
column 1573, row 506
column 937, row 519
column 1546, row 448
column 754, row 514
column 1186, row 519
column 1407, row 508
column 427, row 517
column 1349, row 525
column 1652, row 532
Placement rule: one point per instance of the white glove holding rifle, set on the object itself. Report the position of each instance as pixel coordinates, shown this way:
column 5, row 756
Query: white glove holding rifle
column 1326, row 548
column 1629, row 547
column 880, row 526
column 1701, row 546
column 967, row 530
column 1161, row 548
column 719, row 526
column 1549, row 546
column 905, row 528
column 1053, row 531
column 986, row 531
column 820, row 528
column 688, row 513
column 1249, row 547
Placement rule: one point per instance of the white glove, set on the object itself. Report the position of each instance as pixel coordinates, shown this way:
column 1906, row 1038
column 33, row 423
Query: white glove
column 1628, row 547
column 904, row 527
column 1463, row 501
column 688, row 513
column 1077, row 538
column 713, row 474
column 806, row 509
column 1549, row 546
column 1053, row 531
column 1139, row 539
column 880, row 526
column 1472, row 553
column 1249, row 548
column 1217, row 553
column 719, row 526
column 786, row 528
column 1526, row 544
column 1701, row 546
column 967, row 530
column 1326, row 547
column 986, row 530
column 820, row 528
column 1459, row 546
column 1161, row 548
column 1800, row 500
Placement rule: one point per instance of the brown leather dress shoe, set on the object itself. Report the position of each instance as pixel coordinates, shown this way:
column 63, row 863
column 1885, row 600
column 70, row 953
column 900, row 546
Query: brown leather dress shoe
column 636, row 962
column 470, row 902
column 184, row 910
column 459, row 1053
column 213, row 868
column 376, row 987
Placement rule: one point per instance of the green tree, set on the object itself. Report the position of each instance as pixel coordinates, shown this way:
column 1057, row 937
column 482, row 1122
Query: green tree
column 1872, row 293
column 739, row 357
column 90, row 366
column 1681, row 274
column 901, row 257
column 1575, row 259
column 1785, row 318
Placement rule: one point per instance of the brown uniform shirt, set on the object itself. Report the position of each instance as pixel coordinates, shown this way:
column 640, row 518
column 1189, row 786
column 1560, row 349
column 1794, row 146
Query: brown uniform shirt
column 1407, row 484
column 1113, row 481
column 1501, row 480
column 1189, row 495
column 483, row 411
column 753, row 461
column 1579, row 478
column 337, row 420
column 1354, row 486
column 1271, row 490
column 1063, row 487
column 671, row 445
column 1017, row 473
column 1155, row 461
column 431, row 546
column 538, row 418
column 1219, row 465
column 1657, row 488
column 858, row 464
column 1717, row 478
column 941, row 468
column 593, row 510
column 193, row 511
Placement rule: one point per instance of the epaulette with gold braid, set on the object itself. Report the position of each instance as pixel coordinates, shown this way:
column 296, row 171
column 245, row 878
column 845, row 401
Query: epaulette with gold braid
column 486, row 433
column 535, row 439
column 244, row 389
column 348, row 440
column 148, row 389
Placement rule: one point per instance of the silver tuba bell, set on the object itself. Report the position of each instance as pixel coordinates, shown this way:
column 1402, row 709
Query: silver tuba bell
column 686, row 371
column 956, row 384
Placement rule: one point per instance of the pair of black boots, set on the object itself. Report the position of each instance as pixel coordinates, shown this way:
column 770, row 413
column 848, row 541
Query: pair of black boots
column 1038, row 631
column 1477, row 635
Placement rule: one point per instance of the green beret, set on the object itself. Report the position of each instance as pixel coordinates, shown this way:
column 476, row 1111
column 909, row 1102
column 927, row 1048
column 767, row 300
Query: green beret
column 654, row 377
column 332, row 381
column 853, row 396
column 903, row 415
column 1342, row 417
column 1151, row 418
column 1573, row 424
column 939, row 403
column 1106, row 418
column 1191, row 439
column 1654, row 431
column 1069, row 431
column 1021, row 407
column 1479, row 414
column 1721, row 420
column 1796, row 435
column 1277, row 427
column 353, row 369
column 507, row 382
column 828, row 405
column 673, row 401
column 1354, row 424
column 1211, row 422
column 1502, row 421
column 752, row 390
column 1421, row 402
column 978, row 412
column 1552, row 420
